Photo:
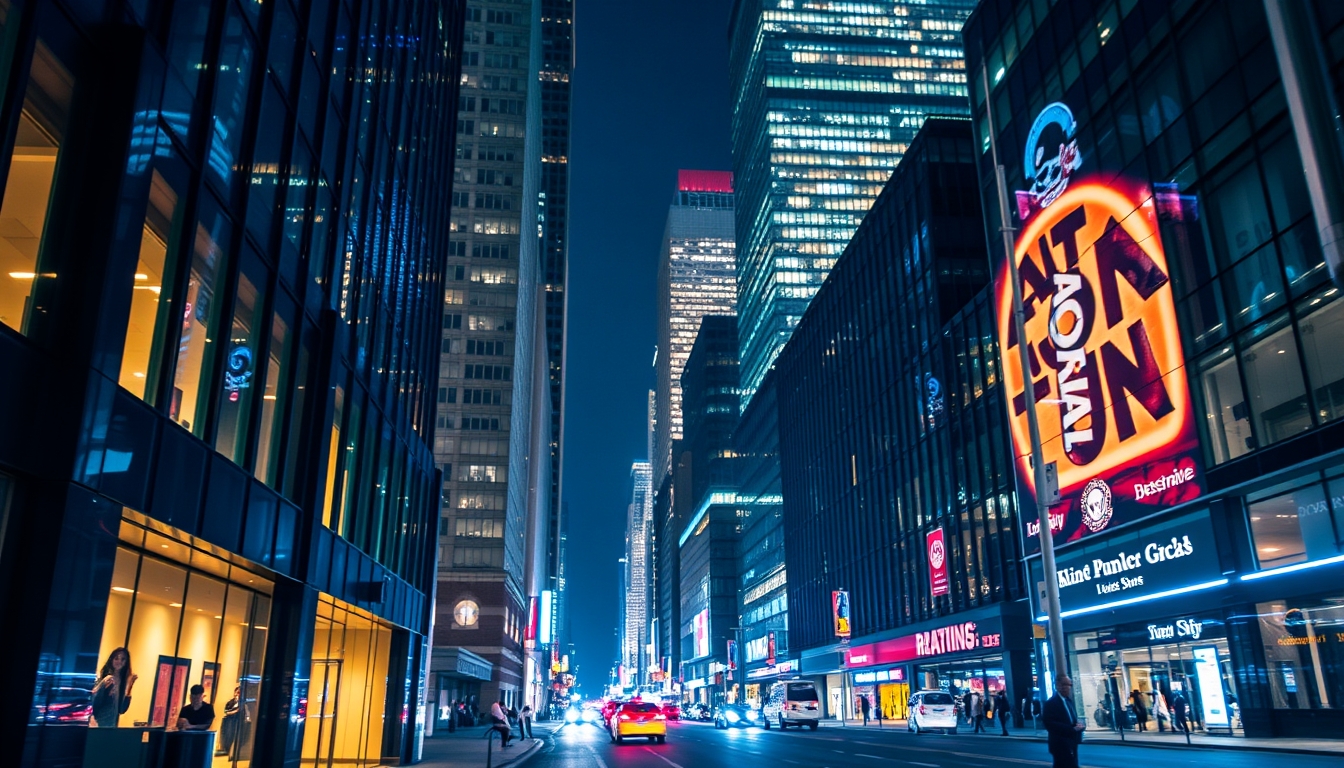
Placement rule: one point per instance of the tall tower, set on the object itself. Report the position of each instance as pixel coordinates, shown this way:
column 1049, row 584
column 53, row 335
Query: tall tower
column 696, row 277
column 826, row 101
column 640, row 526
column 557, row 64
column 494, row 419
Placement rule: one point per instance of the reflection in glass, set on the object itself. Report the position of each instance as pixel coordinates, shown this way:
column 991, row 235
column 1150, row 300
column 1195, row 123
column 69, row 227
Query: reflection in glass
column 1274, row 382
column 200, row 320
column 274, row 396
column 1322, row 334
column 239, row 378
column 148, row 321
column 1226, row 415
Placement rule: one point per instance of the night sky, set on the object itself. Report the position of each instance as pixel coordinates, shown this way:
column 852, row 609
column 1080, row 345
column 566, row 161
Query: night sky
column 650, row 97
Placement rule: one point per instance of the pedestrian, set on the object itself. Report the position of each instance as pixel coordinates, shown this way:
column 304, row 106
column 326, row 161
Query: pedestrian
column 1035, row 709
column 1061, row 723
column 112, row 692
column 1140, row 711
column 1001, row 710
column 1178, row 708
column 228, row 727
column 525, row 721
column 1161, row 711
column 500, row 718
column 966, row 707
column 865, row 706
column 978, row 712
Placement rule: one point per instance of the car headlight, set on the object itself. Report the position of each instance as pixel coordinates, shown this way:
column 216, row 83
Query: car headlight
column 751, row 715
column 732, row 717
column 572, row 716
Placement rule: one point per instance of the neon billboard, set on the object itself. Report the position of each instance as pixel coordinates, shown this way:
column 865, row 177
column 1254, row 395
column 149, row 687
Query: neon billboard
column 1112, row 400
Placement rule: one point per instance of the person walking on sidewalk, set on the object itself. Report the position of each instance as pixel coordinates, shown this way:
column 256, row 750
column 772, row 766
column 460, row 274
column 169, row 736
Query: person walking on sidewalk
column 1178, row 721
column 525, row 722
column 1001, row 710
column 500, row 718
column 1061, row 723
column 1140, row 710
column 865, row 706
column 978, row 712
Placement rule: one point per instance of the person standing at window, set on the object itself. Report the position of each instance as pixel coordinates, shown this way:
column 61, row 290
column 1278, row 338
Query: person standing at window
column 228, row 727
column 198, row 715
column 112, row 692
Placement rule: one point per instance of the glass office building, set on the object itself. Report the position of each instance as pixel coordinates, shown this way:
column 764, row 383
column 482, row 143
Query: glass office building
column 1175, row 118
column 827, row 97
column 896, row 480
column 696, row 277
column 638, row 579
column 222, row 239
column 707, row 543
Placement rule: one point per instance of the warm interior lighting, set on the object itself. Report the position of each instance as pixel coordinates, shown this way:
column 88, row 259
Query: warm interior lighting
column 141, row 276
column 122, row 589
column 1269, row 549
column 138, row 375
column 174, row 605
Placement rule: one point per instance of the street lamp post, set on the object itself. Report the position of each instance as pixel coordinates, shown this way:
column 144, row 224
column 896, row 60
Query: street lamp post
column 1045, row 480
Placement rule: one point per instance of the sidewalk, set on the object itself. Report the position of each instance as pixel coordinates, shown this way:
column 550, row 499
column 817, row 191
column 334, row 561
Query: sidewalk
column 1169, row 739
column 466, row 747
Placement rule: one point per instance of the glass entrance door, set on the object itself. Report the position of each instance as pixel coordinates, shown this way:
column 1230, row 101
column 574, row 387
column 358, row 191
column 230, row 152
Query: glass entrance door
column 319, row 728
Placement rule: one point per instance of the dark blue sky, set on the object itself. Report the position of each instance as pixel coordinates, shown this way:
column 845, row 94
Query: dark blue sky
column 650, row 97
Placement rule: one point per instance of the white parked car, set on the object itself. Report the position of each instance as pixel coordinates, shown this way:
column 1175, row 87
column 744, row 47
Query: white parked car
column 932, row 711
column 792, row 702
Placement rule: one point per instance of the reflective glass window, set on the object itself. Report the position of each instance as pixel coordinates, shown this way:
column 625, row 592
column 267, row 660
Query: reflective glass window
column 1292, row 527
column 149, row 321
column 1322, row 336
column 236, row 55
column 28, row 186
column 200, row 319
column 1304, row 666
column 1274, row 384
column 276, row 393
column 242, row 360
column 1227, row 417
column 265, row 176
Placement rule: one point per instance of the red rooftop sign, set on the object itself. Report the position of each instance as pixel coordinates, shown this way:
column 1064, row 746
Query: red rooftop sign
column 705, row 181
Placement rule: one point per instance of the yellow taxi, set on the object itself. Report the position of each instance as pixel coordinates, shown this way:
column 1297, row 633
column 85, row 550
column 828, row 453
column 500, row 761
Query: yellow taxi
column 638, row 718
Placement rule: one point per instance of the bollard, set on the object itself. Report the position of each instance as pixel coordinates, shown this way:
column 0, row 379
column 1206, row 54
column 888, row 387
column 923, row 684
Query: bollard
column 490, row 734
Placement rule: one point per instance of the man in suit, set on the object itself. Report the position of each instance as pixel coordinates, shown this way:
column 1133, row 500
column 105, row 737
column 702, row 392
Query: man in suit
column 1061, row 722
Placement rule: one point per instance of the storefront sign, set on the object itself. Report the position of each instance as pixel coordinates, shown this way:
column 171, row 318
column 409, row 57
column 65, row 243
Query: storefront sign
column 1157, row 559
column 893, row 675
column 954, row 638
column 701, row 628
column 1114, row 408
column 840, row 612
column 1182, row 629
column 937, row 549
column 782, row 668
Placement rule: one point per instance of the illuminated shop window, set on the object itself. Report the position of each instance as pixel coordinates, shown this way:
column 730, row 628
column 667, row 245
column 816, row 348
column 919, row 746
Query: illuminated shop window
column 28, row 186
column 200, row 319
column 239, row 379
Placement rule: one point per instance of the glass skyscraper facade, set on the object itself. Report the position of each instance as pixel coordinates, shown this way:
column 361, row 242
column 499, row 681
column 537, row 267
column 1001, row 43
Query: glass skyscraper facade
column 222, row 254
column 493, row 396
column 638, row 567
column 827, row 97
column 696, row 277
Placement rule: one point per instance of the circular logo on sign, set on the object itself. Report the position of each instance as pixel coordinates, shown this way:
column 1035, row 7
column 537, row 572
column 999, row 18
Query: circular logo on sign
column 1051, row 153
column 936, row 554
column 1097, row 509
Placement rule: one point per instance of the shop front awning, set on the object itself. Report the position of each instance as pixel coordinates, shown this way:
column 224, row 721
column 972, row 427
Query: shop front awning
column 460, row 663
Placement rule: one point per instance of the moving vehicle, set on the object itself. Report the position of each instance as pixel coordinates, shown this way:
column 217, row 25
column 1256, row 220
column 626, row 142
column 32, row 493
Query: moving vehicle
column 699, row 712
column 672, row 709
column 932, row 711
column 738, row 716
column 792, row 702
column 638, row 718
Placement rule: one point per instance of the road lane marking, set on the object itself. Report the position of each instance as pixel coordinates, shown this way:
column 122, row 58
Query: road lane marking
column 596, row 757
column 874, row 757
column 925, row 765
column 660, row 757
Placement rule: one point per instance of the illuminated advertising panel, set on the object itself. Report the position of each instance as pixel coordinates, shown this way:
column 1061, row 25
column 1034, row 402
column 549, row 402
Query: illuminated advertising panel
column 938, row 579
column 701, row 624
column 840, row 612
column 547, row 597
column 1114, row 407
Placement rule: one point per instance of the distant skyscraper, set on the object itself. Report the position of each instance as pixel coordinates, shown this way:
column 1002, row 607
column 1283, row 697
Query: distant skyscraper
column 826, row 101
column 494, row 415
column 635, row 628
column 696, row 277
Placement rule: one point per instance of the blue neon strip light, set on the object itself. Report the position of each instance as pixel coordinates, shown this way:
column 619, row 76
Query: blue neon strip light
column 1140, row 599
column 1293, row 568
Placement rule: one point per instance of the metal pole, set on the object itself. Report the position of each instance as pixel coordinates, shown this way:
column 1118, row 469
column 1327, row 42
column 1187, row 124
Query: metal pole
column 1007, row 229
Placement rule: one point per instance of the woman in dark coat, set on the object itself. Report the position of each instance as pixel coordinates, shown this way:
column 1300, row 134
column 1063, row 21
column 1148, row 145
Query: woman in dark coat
column 1140, row 710
column 112, row 692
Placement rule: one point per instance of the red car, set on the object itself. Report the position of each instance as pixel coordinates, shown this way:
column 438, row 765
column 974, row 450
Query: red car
column 609, row 710
column 671, row 710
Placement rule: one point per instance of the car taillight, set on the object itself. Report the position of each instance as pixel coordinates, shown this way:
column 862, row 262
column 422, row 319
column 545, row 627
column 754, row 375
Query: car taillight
column 922, row 710
column 660, row 717
column 625, row 717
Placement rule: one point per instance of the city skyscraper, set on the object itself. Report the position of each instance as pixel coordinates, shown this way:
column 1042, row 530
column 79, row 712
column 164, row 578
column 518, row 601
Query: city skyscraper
column 697, row 276
column 557, row 63
column 222, row 247
column 635, row 626
column 826, row 101
column 495, row 425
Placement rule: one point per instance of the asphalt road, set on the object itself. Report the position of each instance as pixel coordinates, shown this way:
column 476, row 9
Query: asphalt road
column 697, row 745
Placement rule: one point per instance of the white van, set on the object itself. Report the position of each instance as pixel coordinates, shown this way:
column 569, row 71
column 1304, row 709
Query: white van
column 792, row 702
